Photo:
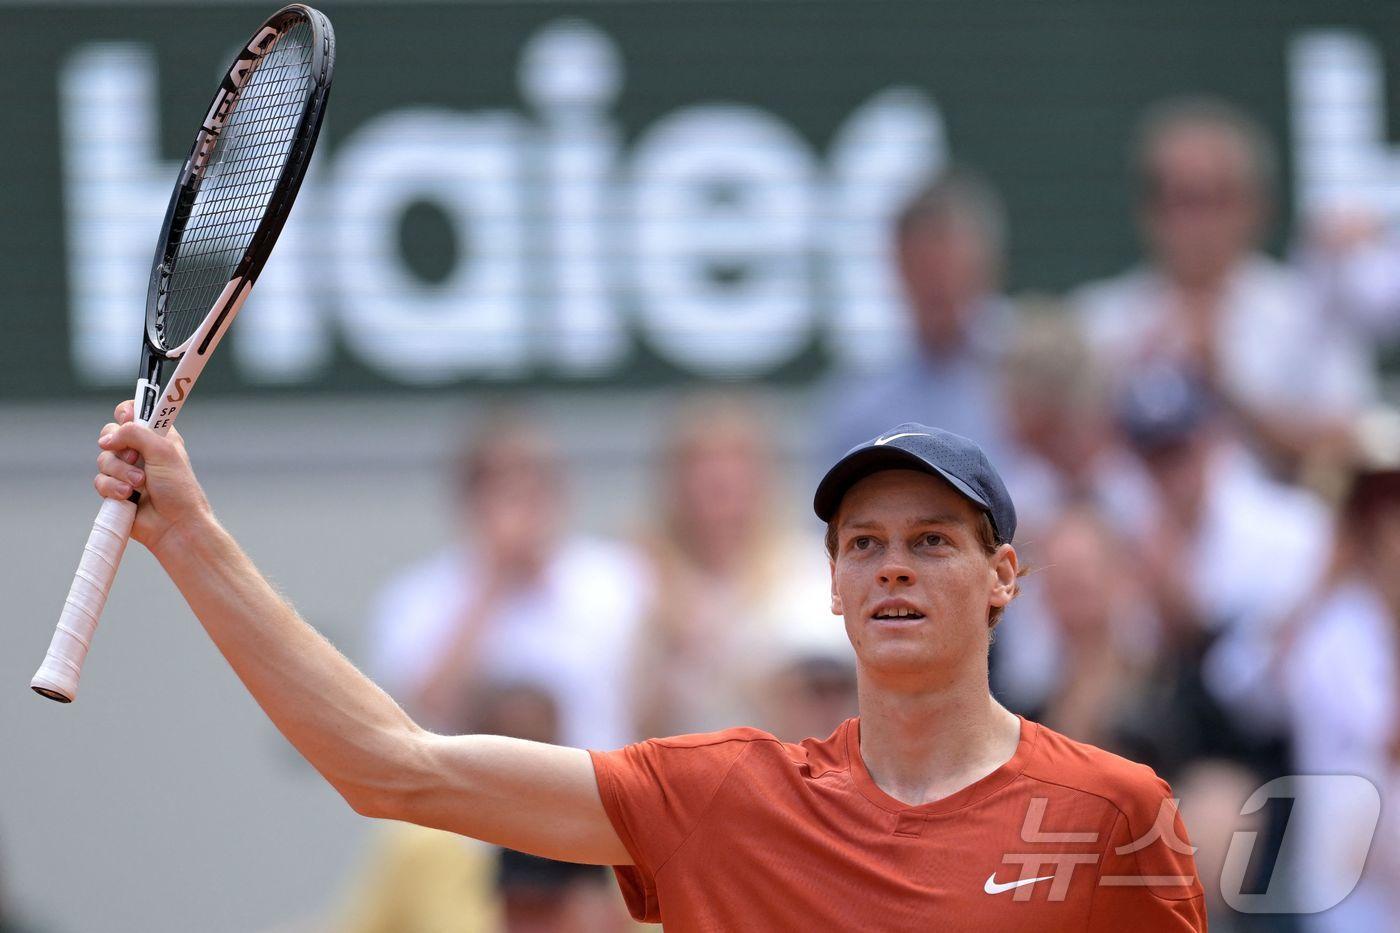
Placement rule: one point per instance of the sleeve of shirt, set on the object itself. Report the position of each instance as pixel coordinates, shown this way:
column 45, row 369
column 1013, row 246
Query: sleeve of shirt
column 656, row 793
column 1147, row 878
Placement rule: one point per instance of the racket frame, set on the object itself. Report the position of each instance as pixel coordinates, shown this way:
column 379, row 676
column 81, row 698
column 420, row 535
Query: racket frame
column 194, row 352
column 58, row 675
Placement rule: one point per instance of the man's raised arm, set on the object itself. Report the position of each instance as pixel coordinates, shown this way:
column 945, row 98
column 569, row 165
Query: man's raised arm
column 536, row 798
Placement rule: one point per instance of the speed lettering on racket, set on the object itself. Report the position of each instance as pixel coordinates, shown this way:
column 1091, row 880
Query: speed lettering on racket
column 231, row 199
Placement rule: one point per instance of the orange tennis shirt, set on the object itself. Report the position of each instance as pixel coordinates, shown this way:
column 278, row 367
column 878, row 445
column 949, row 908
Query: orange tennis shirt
column 737, row 830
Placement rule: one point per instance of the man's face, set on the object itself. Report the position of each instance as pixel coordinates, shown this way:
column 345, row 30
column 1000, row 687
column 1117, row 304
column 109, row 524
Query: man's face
column 1080, row 594
column 945, row 266
column 721, row 484
column 913, row 580
column 1202, row 210
column 515, row 511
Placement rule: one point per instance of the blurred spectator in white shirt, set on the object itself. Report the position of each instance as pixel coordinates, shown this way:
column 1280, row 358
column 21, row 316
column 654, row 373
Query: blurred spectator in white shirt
column 950, row 244
column 518, row 598
column 739, row 592
column 1207, row 300
column 1218, row 518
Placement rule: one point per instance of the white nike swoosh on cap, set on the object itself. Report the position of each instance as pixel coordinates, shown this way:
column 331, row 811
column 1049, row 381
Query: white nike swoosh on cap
column 879, row 441
column 993, row 887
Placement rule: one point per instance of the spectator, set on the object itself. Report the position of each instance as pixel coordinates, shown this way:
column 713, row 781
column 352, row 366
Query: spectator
column 810, row 694
column 1060, row 418
column 949, row 244
column 1213, row 794
column 730, row 579
column 1207, row 300
column 1331, row 670
column 539, row 895
column 1218, row 517
column 1226, row 546
column 517, row 596
column 1067, row 457
column 418, row 880
column 1104, row 634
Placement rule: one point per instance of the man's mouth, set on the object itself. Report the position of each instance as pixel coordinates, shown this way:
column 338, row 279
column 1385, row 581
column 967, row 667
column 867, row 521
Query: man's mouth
column 900, row 613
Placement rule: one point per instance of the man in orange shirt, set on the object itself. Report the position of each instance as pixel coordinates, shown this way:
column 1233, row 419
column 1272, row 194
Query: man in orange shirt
column 935, row 809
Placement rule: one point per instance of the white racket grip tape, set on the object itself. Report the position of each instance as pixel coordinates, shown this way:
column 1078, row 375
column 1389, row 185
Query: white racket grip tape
column 57, row 677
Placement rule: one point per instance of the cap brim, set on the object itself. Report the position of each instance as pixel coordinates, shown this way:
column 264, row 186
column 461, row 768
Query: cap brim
column 858, row 464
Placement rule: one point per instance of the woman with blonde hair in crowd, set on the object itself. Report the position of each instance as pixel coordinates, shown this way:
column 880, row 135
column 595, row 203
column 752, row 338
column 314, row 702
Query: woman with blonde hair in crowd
column 740, row 593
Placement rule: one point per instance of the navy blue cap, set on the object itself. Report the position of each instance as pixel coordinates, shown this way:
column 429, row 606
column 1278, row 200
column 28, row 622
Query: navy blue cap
column 913, row 446
column 1161, row 406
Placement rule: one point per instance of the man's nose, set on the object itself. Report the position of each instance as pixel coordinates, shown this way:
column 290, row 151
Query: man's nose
column 896, row 573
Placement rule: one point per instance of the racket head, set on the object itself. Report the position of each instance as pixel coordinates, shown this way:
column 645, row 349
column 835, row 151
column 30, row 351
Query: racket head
column 237, row 186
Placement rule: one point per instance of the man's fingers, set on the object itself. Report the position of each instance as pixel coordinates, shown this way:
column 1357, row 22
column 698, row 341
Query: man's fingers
column 124, row 411
column 110, row 488
column 140, row 438
column 114, row 466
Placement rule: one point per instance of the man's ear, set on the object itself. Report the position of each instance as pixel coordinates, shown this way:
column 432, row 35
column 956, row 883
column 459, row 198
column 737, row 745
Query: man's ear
column 1005, row 566
column 836, row 608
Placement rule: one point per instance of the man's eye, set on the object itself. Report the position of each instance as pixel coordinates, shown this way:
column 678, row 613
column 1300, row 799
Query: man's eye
column 934, row 540
column 861, row 542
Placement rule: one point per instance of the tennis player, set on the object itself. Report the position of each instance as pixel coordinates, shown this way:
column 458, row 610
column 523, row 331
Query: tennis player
column 935, row 809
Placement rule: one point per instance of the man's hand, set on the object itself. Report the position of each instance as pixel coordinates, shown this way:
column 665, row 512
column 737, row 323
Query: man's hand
column 135, row 458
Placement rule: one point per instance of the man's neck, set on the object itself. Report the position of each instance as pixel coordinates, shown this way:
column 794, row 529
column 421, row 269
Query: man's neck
column 921, row 746
column 1203, row 290
column 949, row 329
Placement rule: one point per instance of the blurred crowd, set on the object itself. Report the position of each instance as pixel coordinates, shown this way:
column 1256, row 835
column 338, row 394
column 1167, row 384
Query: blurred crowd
column 1209, row 492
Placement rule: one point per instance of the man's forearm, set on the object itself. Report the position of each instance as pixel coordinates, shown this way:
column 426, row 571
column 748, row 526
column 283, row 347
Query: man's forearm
column 350, row 730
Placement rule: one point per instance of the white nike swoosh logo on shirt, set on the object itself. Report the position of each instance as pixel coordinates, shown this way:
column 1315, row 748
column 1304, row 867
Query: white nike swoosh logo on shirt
column 993, row 887
column 879, row 441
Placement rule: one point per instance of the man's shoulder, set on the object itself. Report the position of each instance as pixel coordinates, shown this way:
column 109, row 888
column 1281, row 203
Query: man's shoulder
column 737, row 734
column 1263, row 272
column 677, row 774
column 1113, row 312
column 759, row 750
column 1113, row 291
column 1131, row 787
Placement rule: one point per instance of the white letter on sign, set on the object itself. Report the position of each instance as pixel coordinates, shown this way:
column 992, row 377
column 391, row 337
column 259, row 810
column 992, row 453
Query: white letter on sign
column 722, row 198
column 472, row 324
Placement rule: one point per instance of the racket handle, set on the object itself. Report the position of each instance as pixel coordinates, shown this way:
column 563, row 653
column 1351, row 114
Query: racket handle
column 57, row 677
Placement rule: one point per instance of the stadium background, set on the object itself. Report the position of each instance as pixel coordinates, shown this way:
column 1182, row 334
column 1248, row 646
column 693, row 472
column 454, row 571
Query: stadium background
column 589, row 263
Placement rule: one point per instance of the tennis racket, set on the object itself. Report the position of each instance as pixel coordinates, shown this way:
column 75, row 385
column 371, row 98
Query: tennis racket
column 230, row 202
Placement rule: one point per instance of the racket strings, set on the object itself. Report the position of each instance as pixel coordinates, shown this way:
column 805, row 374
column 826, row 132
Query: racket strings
column 238, row 183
